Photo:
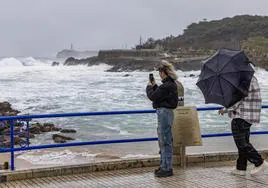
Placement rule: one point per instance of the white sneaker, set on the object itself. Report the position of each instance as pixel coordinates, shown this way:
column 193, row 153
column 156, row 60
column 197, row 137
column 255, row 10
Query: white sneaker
column 238, row 172
column 256, row 171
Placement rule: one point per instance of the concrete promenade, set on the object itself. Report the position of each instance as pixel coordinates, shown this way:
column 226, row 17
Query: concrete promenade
column 198, row 176
column 207, row 166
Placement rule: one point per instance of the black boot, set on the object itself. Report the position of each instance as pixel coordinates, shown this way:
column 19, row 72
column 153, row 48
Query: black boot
column 156, row 170
column 163, row 173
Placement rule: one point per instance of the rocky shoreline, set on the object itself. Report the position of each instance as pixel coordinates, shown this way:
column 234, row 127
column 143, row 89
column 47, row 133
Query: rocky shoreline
column 139, row 63
column 140, row 60
column 20, row 129
column 145, row 60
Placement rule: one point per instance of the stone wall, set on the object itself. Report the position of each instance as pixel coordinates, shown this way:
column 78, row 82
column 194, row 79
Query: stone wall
column 127, row 53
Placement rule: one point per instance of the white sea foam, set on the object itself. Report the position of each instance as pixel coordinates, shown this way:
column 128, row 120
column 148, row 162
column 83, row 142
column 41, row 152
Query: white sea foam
column 30, row 61
column 100, row 68
column 18, row 62
column 10, row 62
column 56, row 157
column 41, row 88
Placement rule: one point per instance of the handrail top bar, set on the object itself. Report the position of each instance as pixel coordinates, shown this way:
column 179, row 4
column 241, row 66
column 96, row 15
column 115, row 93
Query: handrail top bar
column 100, row 142
column 39, row 116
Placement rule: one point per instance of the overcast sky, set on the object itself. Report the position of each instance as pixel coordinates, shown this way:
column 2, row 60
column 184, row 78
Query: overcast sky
column 44, row 27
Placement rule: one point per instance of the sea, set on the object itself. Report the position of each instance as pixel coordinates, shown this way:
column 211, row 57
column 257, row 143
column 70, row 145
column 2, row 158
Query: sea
column 33, row 86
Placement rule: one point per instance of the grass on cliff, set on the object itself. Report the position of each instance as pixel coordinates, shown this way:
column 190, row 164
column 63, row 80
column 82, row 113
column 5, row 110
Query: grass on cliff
column 256, row 44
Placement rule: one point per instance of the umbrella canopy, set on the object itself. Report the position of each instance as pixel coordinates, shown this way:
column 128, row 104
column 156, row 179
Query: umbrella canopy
column 225, row 77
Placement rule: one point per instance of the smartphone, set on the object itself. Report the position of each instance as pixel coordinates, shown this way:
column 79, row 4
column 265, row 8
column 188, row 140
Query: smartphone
column 151, row 77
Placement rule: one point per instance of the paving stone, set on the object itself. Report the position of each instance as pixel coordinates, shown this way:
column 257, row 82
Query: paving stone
column 203, row 176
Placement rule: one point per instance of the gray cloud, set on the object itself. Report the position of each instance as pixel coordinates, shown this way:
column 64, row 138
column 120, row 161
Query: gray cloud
column 43, row 27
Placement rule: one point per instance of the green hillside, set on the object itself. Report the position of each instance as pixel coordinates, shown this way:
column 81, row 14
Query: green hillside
column 227, row 32
column 246, row 32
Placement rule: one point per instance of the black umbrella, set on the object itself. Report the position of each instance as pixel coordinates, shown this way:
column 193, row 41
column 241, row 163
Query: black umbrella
column 225, row 77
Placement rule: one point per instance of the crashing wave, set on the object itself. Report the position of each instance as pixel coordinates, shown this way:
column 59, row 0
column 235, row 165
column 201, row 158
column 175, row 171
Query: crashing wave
column 10, row 62
column 15, row 62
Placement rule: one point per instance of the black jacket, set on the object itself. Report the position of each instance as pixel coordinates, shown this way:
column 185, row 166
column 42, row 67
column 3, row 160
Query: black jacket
column 165, row 95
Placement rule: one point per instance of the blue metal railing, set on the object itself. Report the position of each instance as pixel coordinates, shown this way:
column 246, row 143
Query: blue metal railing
column 11, row 119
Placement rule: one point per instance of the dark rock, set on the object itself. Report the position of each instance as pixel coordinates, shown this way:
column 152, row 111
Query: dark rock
column 68, row 131
column 70, row 61
column 60, row 139
column 35, row 129
column 19, row 128
column 87, row 61
column 5, row 106
column 55, row 129
column 45, row 129
column 191, row 75
column 51, row 125
column 55, row 64
column 126, row 75
column 5, row 109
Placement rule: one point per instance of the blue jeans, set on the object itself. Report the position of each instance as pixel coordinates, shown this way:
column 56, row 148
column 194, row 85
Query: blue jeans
column 165, row 120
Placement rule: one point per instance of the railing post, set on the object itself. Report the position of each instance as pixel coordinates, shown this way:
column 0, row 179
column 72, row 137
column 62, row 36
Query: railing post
column 179, row 155
column 28, row 134
column 12, row 159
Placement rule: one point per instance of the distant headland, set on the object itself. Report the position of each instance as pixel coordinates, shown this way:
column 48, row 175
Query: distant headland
column 71, row 52
column 186, row 51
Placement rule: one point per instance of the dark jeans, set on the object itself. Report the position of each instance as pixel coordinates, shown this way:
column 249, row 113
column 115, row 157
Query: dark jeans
column 246, row 152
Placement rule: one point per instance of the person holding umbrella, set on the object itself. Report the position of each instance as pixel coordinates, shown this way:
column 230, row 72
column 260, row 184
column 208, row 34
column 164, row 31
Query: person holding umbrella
column 227, row 78
column 245, row 113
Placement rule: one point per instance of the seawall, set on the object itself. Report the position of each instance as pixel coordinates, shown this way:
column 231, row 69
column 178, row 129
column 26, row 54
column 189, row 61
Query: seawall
column 137, row 60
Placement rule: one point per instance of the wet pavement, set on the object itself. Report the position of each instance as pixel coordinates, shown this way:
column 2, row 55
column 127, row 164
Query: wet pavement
column 197, row 175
